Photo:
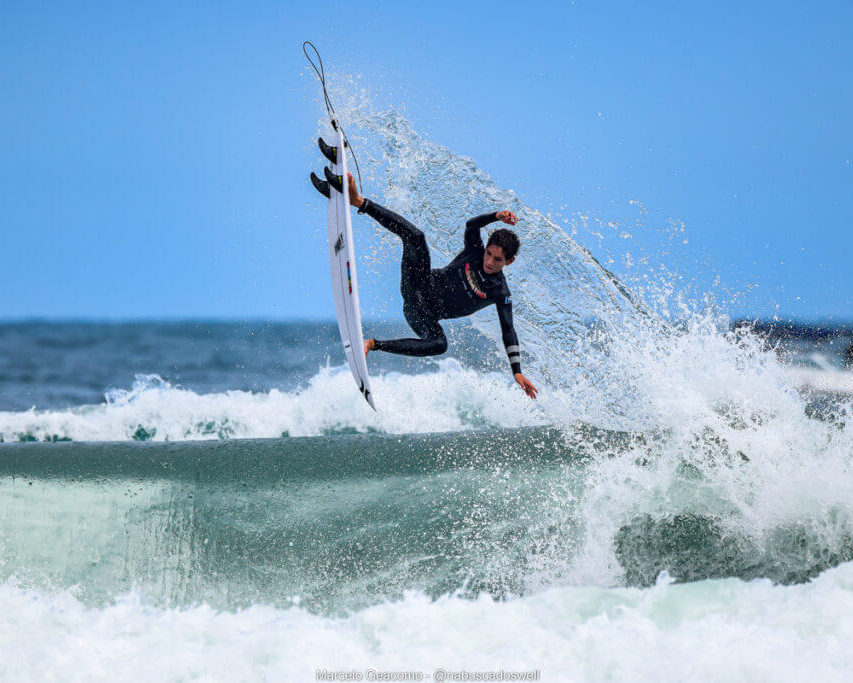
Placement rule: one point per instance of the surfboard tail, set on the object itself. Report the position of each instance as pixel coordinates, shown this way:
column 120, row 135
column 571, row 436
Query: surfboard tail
column 368, row 396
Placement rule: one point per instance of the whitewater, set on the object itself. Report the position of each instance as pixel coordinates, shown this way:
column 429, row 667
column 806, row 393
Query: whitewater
column 715, row 630
column 200, row 500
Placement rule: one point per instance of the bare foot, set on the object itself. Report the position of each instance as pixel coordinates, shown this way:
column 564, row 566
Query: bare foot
column 368, row 346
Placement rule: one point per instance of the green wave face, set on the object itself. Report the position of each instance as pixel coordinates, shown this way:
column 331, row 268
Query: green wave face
column 341, row 522
column 332, row 523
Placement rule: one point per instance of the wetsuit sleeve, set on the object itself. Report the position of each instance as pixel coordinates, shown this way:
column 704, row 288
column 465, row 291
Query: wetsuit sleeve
column 472, row 229
column 510, row 338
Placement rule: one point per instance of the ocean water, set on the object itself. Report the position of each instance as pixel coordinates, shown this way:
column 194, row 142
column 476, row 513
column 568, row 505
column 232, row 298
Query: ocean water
column 241, row 514
column 198, row 500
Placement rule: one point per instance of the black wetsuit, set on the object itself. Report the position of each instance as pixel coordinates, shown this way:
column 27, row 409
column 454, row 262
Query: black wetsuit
column 461, row 288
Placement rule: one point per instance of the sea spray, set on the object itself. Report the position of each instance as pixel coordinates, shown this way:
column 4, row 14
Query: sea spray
column 732, row 461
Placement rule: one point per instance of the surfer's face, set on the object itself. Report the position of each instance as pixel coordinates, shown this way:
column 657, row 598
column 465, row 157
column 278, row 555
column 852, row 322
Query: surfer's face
column 494, row 260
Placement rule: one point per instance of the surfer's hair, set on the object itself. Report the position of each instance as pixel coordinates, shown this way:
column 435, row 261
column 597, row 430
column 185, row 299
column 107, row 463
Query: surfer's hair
column 506, row 240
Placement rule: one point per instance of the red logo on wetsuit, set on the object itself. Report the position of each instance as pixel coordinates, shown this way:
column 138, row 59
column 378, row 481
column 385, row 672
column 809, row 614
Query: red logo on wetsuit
column 471, row 276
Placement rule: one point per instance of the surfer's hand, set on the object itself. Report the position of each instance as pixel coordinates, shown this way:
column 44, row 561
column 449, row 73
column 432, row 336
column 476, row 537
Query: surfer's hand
column 368, row 346
column 354, row 197
column 525, row 384
column 507, row 217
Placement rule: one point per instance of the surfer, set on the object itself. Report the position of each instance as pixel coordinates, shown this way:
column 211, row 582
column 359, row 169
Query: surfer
column 471, row 281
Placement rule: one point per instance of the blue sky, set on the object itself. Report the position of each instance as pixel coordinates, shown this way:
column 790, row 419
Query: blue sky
column 153, row 156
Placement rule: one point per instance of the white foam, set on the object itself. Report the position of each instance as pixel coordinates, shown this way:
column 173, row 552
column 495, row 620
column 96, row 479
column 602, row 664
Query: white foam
column 730, row 440
column 452, row 398
column 710, row 630
column 826, row 380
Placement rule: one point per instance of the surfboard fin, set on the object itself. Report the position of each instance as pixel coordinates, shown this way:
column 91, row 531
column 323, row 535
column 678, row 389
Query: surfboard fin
column 331, row 153
column 321, row 185
column 335, row 181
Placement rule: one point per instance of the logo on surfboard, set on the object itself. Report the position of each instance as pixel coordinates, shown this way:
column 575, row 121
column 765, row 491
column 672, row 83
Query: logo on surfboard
column 339, row 244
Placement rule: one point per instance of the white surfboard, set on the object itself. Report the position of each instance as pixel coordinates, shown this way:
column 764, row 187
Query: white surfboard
column 344, row 281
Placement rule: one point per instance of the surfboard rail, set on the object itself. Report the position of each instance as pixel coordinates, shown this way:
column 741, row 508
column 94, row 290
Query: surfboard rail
column 342, row 265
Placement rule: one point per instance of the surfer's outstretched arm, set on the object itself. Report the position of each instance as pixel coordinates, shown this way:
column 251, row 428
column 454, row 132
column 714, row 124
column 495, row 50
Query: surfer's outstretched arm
column 513, row 351
column 510, row 338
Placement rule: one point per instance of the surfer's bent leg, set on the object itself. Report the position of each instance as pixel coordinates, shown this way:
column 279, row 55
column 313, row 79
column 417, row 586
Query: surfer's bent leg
column 414, row 281
column 433, row 342
column 423, row 322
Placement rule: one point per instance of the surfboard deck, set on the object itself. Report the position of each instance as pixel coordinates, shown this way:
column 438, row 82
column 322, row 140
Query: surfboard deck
column 343, row 271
